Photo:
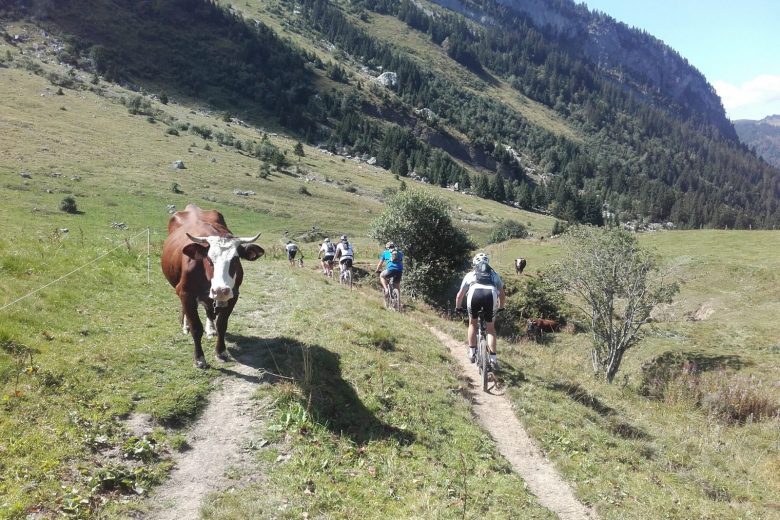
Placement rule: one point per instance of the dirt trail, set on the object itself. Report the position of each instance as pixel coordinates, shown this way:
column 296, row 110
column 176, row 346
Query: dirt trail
column 217, row 442
column 495, row 414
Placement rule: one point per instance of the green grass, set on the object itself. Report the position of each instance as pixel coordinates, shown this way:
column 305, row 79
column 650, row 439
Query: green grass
column 639, row 457
column 373, row 423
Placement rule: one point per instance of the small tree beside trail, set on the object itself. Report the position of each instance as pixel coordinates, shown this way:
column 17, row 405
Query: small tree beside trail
column 434, row 248
column 616, row 284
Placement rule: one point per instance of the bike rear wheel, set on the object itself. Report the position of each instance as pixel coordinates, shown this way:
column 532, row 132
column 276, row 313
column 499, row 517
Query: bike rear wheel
column 482, row 359
column 395, row 298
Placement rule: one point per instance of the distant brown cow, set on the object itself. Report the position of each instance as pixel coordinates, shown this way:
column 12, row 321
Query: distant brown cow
column 536, row 328
column 200, row 259
column 520, row 264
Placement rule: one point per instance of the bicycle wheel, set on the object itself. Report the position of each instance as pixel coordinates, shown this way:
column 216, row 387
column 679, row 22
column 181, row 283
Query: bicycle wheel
column 396, row 300
column 348, row 279
column 483, row 362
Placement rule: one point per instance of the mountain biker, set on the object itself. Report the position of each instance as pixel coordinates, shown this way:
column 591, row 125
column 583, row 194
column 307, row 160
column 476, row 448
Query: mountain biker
column 483, row 289
column 327, row 251
column 292, row 250
column 344, row 254
column 394, row 260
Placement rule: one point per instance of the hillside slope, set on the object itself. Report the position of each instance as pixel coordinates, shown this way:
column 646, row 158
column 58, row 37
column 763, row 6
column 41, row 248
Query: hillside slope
column 763, row 136
column 563, row 131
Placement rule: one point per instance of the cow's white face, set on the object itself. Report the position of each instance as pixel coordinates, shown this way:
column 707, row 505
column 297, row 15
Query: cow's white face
column 222, row 251
column 223, row 257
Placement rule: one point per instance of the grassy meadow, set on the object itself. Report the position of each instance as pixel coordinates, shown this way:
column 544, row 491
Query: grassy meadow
column 370, row 418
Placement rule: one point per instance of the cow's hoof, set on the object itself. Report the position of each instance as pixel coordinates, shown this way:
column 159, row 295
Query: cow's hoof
column 201, row 363
column 221, row 356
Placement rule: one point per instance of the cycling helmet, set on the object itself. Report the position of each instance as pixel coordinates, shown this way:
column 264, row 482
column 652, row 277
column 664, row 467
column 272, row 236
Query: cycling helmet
column 390, row 245
column 343, row 238
column 480, row 257
column 327, row 240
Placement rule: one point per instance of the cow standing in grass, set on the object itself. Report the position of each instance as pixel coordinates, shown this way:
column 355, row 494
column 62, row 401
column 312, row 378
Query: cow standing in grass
column 520, row 264
column 201, row 260
column 537, row 328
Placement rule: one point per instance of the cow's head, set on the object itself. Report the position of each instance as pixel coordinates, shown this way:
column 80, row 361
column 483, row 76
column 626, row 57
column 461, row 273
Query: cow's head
column 223, row 253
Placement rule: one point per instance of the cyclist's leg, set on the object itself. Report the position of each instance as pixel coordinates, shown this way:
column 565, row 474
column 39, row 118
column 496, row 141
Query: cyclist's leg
column 490, row 305
column 383, row 279
column 471, row 334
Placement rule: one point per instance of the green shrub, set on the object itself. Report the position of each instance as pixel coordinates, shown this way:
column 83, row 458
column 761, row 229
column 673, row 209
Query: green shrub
column 303, row 191
column 506, row 230
column 68, row 205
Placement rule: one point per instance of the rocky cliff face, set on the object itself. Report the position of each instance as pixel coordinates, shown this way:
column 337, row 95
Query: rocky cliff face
column 763, row 136
column 630, row 57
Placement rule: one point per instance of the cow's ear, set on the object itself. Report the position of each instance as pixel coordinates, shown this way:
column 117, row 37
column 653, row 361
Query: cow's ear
column 196, row 251
column 250, row 251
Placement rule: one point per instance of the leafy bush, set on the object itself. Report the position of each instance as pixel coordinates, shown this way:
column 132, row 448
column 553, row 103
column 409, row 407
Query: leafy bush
column 435, row 249
column 303, row 191
column 68, row 205
column 506, row 230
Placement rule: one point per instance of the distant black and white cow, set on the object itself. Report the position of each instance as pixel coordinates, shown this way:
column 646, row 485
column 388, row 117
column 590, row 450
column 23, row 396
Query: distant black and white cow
column 520, row 264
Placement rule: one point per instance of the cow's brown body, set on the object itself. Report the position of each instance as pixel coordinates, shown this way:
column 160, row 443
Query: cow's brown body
column 186, row 265
column 537, row 327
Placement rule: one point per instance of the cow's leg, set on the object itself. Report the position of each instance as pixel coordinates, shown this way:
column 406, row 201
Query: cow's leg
column 222, row 322
column 190, row 310
column 185, row 327
column 210, row 317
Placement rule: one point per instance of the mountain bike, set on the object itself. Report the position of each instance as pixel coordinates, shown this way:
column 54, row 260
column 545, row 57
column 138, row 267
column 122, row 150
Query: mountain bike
column 483, row 355
column 392, row 296
column 345, row 277
column 329, row 269
column 482, row 358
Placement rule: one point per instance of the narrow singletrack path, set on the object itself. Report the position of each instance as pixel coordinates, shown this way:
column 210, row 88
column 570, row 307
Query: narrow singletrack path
column 494, row 413
column 216, row 443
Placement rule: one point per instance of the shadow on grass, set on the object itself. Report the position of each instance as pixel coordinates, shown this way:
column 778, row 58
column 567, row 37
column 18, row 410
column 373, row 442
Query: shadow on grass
column 334, row 403
column 615, row 424
column 694, row 361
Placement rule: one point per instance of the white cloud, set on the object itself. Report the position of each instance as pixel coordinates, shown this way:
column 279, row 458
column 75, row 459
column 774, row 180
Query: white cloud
column 753, row 99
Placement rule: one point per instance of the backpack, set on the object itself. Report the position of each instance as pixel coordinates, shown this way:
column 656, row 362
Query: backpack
column 394, row 256
column 293, row 247
column 330, row 248
column 483, row 274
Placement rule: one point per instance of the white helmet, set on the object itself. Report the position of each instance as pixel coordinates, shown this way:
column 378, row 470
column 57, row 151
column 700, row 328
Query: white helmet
column 480, row 257
column 343, row 238
column 327, row 239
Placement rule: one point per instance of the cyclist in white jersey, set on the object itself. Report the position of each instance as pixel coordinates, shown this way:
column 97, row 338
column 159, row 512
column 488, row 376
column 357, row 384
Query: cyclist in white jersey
column 344, row 254
column 484, row 291
column 327, row 252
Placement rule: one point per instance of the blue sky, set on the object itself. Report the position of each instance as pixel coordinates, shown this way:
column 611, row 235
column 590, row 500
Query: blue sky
column 734, row 43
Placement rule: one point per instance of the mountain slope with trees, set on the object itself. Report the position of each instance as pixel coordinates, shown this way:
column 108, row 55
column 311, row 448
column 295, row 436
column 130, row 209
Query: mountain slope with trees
column 637, row 145
column 763, row 136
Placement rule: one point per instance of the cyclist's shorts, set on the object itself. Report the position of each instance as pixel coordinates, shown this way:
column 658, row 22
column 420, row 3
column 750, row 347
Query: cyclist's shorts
column 482, row 300
column 327, row 258
column 392, row 274
column 291, row 254
column 345, row 263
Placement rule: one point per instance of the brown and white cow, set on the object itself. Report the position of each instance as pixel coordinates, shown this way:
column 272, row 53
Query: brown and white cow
column 520, row 264
column 201, row 260
column 536, row 328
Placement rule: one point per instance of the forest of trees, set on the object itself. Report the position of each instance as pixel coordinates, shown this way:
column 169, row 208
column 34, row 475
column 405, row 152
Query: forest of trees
column 638, row 160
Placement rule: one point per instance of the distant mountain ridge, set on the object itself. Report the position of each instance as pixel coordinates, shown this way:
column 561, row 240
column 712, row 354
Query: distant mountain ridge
column 636, row 60
column 763, row 136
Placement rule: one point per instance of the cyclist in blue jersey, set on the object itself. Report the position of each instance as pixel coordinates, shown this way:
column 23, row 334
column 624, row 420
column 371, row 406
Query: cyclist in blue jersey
column 394, row 266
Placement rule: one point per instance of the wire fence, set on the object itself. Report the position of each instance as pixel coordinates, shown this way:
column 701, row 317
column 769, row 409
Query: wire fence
column 146, row 231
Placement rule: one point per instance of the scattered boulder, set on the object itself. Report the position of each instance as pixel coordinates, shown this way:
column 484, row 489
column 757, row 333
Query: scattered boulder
column 178, row 164
column 388, row 79
column 244, row 193
column 171, row 208
column 371, row 161
column 25, row 175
